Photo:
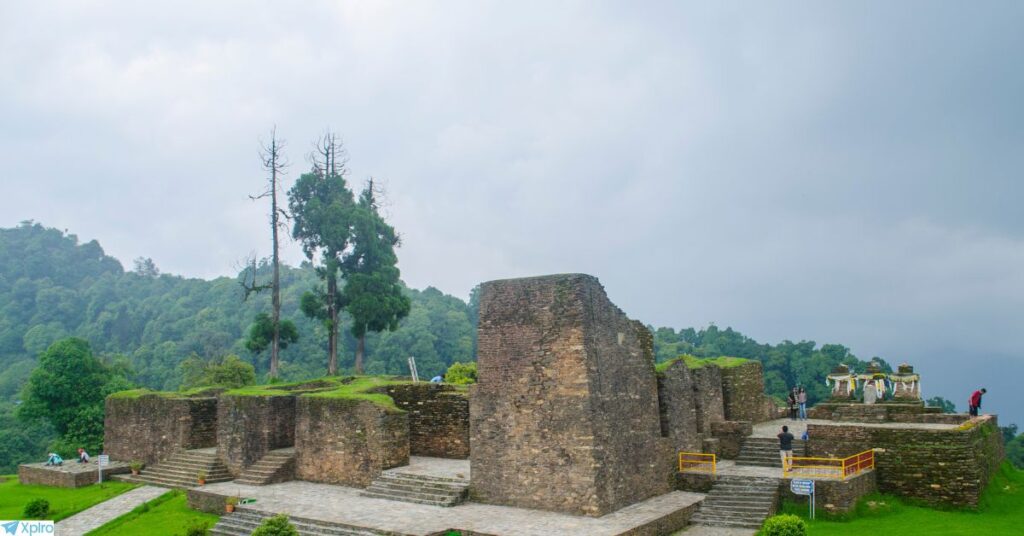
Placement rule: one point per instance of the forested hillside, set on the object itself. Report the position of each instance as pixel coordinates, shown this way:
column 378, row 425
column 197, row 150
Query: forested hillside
column 148, row 324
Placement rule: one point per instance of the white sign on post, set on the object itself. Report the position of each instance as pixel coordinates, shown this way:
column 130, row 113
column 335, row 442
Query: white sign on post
column 102, row 461
column 801, row 486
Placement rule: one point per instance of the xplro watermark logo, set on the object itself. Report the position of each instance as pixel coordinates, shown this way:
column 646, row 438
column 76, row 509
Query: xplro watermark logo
column 26, row 528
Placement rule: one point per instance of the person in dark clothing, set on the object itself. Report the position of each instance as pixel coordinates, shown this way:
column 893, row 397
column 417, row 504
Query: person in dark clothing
column 974, row 404
column 786, row 447
column 792, row 404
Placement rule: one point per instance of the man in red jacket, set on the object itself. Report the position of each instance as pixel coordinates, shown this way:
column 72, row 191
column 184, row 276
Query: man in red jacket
column 975, row 402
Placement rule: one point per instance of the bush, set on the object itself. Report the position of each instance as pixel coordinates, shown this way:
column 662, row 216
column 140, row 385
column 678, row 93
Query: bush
column 461, row 373
column 36, row 509
column 276, row 526
column 784, row 525
column 197, row 528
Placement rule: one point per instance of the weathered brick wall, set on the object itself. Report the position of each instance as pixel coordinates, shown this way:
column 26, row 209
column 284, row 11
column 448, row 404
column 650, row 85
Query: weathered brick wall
column 879, row 412
column 835, row 496
column 249, row 426
column 942, row 467
column 730, row 435
column 708, row 398
column 565, row 415
column 743, row 397
column 678, row 409
column 348, row 442
column 151, row 428
column 70, row 475
column 438, row 418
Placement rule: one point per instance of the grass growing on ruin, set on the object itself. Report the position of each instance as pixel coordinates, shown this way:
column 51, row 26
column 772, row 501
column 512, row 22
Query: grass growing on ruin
column 136, row 393
column 1001, row 512
column 347, row 387
column 64, row 502
column 696, row 362
column 166, row 515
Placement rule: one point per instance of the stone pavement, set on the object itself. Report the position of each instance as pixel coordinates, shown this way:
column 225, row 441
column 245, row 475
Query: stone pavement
column 341, row 504
column 436, row 467
column 797, row 428
column 700, row 530
column 105, row 511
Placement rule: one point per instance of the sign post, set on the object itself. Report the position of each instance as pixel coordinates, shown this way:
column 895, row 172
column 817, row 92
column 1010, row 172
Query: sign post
column 804, row 487
column 102, row 461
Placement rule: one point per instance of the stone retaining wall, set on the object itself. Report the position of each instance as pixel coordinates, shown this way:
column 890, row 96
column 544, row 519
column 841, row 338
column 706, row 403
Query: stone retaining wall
column 70, row 475
column 565, row 415
column 677, row 408
column 731, row 435
column 940, row 467
column 250, row 426
column 835, row 496
column 881, row 412
column 151, row 428
column 708, row 399
column 438, row 418
column 348, row 441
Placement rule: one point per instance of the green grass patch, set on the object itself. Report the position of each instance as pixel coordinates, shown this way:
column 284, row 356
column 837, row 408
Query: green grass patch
column 696, row 362
column 353, row 388
column 64, row 502
column 166, row 515
column 1001, row 511
column 188, row 393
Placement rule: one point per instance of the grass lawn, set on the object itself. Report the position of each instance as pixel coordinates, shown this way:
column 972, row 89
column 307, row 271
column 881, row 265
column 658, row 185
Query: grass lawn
column 1001, row 512
column 166, row 515
column 64, row 502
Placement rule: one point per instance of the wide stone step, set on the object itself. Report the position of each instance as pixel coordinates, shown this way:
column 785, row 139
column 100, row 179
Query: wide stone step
column 412, row 484
column 731, row 523
column 423, row 478
column 412, row 493
column 390, row 497
column 249, row 520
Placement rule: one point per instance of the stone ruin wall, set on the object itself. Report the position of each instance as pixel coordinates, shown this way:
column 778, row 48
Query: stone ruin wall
column 152, row 428
column 348, row 442
column 743, row 396
column 438, row 418
column 250, row 426
column 940, row 467
column 678, row 410
column 565, row 415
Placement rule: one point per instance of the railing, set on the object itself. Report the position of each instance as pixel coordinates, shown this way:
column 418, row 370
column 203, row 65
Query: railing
column 697, row 462
column 831, row 468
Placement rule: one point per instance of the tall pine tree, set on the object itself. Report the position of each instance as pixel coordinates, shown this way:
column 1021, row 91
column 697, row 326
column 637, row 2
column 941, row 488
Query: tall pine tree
column 373, row 291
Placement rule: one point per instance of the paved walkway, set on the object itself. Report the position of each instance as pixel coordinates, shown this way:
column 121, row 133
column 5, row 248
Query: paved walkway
column 105, row 511
column 700, row 530
column 345, row 505
column 437, row 467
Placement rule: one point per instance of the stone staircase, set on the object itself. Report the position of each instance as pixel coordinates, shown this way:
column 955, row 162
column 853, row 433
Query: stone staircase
column 764, row 452
column 738, row 502
column 275, row 466
column 244, row 520
column 180, row 471
column 396, row 485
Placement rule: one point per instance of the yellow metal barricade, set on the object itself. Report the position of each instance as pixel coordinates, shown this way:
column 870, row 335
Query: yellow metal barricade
column 829, row 468
column 697, row 462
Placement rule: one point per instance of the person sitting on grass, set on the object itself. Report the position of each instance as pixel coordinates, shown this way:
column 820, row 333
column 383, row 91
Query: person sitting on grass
column 83, row 456
column 54, row 459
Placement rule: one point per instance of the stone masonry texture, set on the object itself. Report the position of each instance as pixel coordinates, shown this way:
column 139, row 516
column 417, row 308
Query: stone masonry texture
column 949, row 467
column 565, row 415
column 250, row 426
column 151, row 428
column 743, row 397
column 678, row 408
column 438, row 418
column 708, row 399
column 348, row 441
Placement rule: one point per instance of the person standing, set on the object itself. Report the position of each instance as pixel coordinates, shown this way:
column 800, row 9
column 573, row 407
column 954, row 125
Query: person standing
column 974, row 404
column 786, row 448
column 791, row 401
column 801, row 398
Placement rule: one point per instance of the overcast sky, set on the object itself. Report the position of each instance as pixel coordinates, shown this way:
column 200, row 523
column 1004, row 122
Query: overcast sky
column 843, row 173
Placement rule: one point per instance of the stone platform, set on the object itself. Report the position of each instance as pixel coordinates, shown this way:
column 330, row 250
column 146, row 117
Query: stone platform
column 344, row 505
column 70, row 475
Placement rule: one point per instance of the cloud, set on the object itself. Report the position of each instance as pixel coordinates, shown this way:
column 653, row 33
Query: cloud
column 838, row 173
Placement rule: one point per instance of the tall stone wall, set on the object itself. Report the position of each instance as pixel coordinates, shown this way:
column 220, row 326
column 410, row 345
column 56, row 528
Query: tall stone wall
column 151, row 428
column 743, row 397
column 438, row 418
column 678, row 408
column 708, row 397
column 250, row 426
column 565, row 415
column 945, row 467
column 348, row 442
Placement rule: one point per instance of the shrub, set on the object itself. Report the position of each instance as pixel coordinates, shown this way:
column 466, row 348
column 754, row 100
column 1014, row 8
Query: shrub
column 197, row 528
column 461, row 373
column 276, row 526
column 784, row 525
column 36, row 509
